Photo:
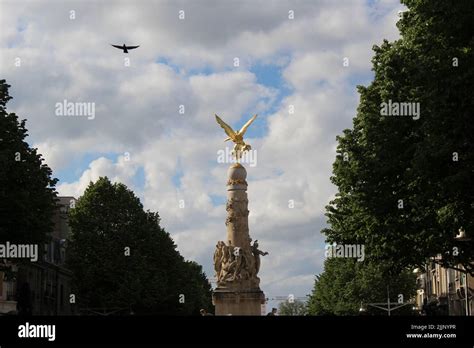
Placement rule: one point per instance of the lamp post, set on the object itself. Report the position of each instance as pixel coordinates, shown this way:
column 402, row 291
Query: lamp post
column 388, row 307
column 463, row 237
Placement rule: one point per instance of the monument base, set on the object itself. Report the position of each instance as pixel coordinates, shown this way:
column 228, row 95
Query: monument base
column 238, row 302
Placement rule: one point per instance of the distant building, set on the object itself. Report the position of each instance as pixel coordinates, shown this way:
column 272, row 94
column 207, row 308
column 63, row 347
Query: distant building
column 46, row 284
column 442, row 291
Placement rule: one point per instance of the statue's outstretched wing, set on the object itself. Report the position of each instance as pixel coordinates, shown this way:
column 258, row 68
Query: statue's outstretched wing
column 249, row 122
column 228, row 130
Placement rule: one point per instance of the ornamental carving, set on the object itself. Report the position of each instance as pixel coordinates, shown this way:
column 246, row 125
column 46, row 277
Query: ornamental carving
column 232, row 182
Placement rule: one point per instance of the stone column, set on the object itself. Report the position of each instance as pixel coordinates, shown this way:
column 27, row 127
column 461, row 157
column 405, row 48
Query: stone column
column 236, row 261
column 237, row 207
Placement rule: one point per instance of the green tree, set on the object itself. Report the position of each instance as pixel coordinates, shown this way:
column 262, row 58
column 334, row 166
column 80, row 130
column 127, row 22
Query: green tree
column 346, row 283
column 293, row 308
column 27, row 189
column 122, row 258
column 198, row 289
column 404, row 185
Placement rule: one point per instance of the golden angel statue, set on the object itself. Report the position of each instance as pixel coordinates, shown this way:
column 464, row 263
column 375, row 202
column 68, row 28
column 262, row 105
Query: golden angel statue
column 237, row 137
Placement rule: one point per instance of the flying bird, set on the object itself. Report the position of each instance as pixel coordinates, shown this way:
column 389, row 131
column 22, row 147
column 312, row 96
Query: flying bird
column 237, row 137
column 125, row 48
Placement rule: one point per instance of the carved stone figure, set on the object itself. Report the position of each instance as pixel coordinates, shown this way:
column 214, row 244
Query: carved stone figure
column 234, row 264
column 257, row 253
column 218, row 257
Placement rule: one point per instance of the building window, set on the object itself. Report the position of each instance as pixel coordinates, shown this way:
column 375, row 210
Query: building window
column 11, row 290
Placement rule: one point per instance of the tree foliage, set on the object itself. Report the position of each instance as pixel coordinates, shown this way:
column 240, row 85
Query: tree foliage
column 293, row 308
column 405, row 183
column 346, row 284
column 27, row 188
column 122, row 258
column 406, row 188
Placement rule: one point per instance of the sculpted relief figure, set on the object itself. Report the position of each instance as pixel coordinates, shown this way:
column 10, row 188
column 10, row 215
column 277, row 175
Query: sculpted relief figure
column 248, row 265
column 224, row 262
column 257, row 253
column 234, row 264
column 218, row 258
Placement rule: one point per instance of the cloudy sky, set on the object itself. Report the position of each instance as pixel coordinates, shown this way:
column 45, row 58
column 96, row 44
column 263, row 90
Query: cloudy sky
column 290, row 71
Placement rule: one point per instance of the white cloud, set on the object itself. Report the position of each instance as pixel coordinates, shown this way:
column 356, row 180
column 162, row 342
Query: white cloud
column 122, row 171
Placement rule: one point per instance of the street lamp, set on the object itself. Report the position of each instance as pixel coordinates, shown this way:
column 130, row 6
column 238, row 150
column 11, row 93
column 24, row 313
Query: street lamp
column 463, row 237
column 388, row 307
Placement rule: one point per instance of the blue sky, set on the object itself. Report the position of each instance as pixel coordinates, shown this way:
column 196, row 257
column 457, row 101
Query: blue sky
column 266, row 74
